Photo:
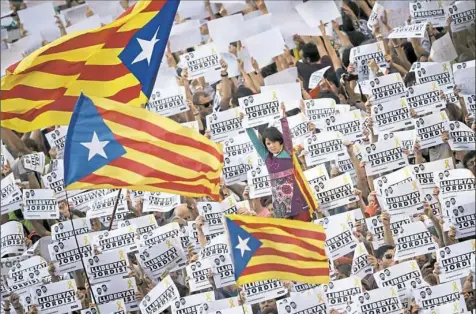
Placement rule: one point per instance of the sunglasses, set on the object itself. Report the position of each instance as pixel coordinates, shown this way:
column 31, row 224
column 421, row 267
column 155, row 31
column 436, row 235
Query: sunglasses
column 388, row 256
column 207, row 104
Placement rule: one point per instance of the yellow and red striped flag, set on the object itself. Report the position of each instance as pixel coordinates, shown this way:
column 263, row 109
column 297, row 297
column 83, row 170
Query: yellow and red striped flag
column 272, row 248
column 118, row 61
column 110, row 145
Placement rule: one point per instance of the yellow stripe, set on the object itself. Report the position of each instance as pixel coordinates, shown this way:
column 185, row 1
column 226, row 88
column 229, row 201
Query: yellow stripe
column 109, row 56
column 192, row 153
column 21, row 105
column 106, row 89
column 138, row 21
column 39, row 80
column 267, row 259
column 46, row 118
column 308, row 226
column 282, row 276
column 285, row 247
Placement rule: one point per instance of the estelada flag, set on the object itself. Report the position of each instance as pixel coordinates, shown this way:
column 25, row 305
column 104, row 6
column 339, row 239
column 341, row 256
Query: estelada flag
column 110, row 145
column 272, row 248
column 118, row 61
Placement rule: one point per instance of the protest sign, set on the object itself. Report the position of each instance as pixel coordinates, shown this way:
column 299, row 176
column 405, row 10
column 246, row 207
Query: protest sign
column 40, row 204
column 454, row 182
column 102, row 267
column 391, row 116
column 455, row 260
column 68, row 253
column 378, row 11
column 429, row 129
column 185, row 35
column 213, row 212
column 104, row 205
column 316, row 77
column 388, row 87
column 299, row 128
column 11, row 194
column 143, row 224
column 19, row 272
column 316, row 174
column 422, row 11
column 424, row 172
column 349, row 124
column 407, row 198
column 470, row 101
column 335, row 192
column 56, row 297
column 308, row 289
column 117, row 288
column 57, row 139
column 34, row 162
column 290, row 94
column 64, row 230
column 382, row 156
column 443, row 49
column 223, row 271
column 217, row 247
column 263, row 290
column 384, row 299
column 201, row 61
column 461, row 137
column 375, row 226
column 6, row 263
column 159, row 235
column 360, row 262
column 123, row 238
column 271, row 39
column 340, row 292
column 339, row 239
column 5, row 155
column 288, row 75
column 323, row 147
column 239, row 145
column 406, row 139
column 435, row 72
column 462, row 216
column 197, row 273
column 55, row 181
column 441, row 294
column 398, row 276
column 462, row 15
column 224, row 125
column 397, row 177
column 12, row 238
column 413, row 240
column 191, row 304
column 236, row 168
column 310, row 302
column 160, row 202
column 361, row 55
column 81, row 201
column 117, row 307
column 260, row 109
column 424, row 98
column 258, row 182
column 409, row 31
column 160, row 297
column 192, row 125
column 168, row 102
column 465, row 79
column 318, row 109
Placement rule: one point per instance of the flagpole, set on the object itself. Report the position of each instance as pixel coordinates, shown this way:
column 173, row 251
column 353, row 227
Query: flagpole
column 114, row 210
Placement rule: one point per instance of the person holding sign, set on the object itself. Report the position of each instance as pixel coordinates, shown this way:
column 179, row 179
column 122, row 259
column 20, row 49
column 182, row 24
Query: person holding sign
column 276, row 149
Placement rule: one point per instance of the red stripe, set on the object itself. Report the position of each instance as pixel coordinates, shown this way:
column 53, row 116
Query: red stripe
column 64, row 103
column 32, row 93
column 57, row 67
column 155, row 5
column 127, row 94
column 95, row 179
column 280, row 239
column 250, row 270
column 102, row 72
column 267, row 251
column 304, row 190
column 146, row 171
column 313, row 235
column 158, row 132
column 119, row 39
column 12, row 68
column 173, row 157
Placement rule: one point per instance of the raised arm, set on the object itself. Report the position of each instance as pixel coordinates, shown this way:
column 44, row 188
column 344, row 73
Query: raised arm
column 288, row 143
column 262, row 151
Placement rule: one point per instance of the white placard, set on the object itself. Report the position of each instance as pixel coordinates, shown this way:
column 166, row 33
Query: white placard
column 318, row 109
column 463, row 217
column 339, row 292
column 160, row 202
column 217, row 247
column 454, row 182
column 335, row 192
column 465, row 80
column 271, row 39
column 361, row 55
column 12, row 238
column 455, row 260
column 443, row 49
column 159, row 235
column 382, row 156
column 433, row 12
column 299, row 128
column 168, row 102
column 429, row 129
column 19, row 272
column 399, row 276
column 34, row 162
column 185, row 35
column 11, row 194
column 462, row 15
column 409, row 31
column 191, row 304
column 392, row 179
column 375, row 226
column 405, row 199
column 81, row 201
column 104, row 205
column 388, row 87
column 315, row 12
column 323, row 147
column 448, row 292
column 224, row 125
column 238, row 146
column 259, row 182
column 436, row 72
column 123, row 238
column 57, row 139
column 311, row 301
column 40, row 204
column 260, row 109
column 67, row 255
column 55, row 181
column 383, row 299
column 6, row 156
column 424, row 172
column 317, row 77
column 391, row 116
column 143, row 224
column 56, row 297
column 88, row 24
column 223, row 271
column 117, row 307
column 316, row 174
column 413, row 240
column 290, row 94
column 378, row 11
column 115, row 289
column 204, row 60
column 349, row 124
column 285, row 76
column 213, row 212
column 406, row 139
column 263, row 290
column 339, row 238
column 424, row 98
column 197, row 273
column 160, row 297
column 360, row 262
column 102, row 267
column 192, row 125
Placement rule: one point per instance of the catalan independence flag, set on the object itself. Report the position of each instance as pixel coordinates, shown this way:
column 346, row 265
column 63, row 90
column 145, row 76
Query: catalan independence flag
column 109, row 145
column 118, row 61
column 272, row 248
column 303, row 185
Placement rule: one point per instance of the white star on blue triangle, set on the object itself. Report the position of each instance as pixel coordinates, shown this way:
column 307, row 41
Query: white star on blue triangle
column 244, row 246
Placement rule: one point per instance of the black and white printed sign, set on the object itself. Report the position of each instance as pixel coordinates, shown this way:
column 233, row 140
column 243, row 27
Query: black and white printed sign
column 203, row 60
column 57, row 297
column 361, row 55
column 405, row 199
column 318, row 109
column 165, row 232
column 340, row 292
column 34, row 162
column 406, row 139
column 259, row 182
column 222, row 304
column 463, row 217
column 55, row 181
column 382, row 156
column 160, row 298
column 114, row 307
column 435, row 72
column 317, row 77
column 388, row 87
column 5, row 156
column 143, row 224
column 57, row 139
column 11, row 195
column 391, row 116
column 6, row 263
column 309, row 302
column 462, row 15
column 413, row 240
column 224, row 125
column 40, row 204
column 375, row 226
column 162, row 257
column 218, row 246
column 429, row 129
column 260, row 109
column 213, row 212
column 102, row 267
column 454, row 182
column 223, row 270
column 441, row 294
column 123, row 238
column 12, row 238
column 335, row 192
column 299, row 128
column 244, row 309
column 191, row 304
column 339, row 239
column 236, row 168
column 461, row 137
column 323, row 147
column 455, row 260
column 168, row 102
column 424, row 172
column 83, row 200
column 428, row 11
column 263, row 290
column 104, row 205
column 392, row 179
column 64, row 229
column 19, row 272
column 360, row 263
column 160, row 202
column 197, row 273
column 68, row 255
column 424, row 98
column 316, row 174
column 409, row 31
column 384, row 299
column 239, row 145
column 349, row 124
column 117, row 288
